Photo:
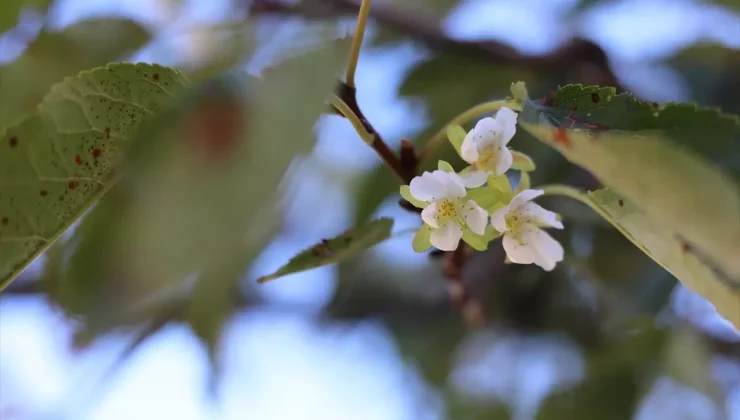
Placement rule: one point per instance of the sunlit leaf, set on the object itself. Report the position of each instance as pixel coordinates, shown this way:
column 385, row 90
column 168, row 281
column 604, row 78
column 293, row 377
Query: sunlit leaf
column 55, row 55
column 675, row 256
column 340, row 248
column 56, row 164
column 675, row 162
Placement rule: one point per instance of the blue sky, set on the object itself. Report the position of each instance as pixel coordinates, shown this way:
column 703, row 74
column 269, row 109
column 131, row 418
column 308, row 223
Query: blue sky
column 285, row 367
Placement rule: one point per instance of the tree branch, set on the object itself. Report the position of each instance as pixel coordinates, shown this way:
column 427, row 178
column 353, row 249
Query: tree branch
column 580, row 54
column 404, row 167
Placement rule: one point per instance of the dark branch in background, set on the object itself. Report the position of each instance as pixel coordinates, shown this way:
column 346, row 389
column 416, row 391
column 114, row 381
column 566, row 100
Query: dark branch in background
column 470, row 307
column 580, row 55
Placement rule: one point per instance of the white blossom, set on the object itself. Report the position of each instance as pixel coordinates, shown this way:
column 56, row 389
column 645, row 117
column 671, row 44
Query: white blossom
column 484, row 147
column 524, row 241
column 447, row 212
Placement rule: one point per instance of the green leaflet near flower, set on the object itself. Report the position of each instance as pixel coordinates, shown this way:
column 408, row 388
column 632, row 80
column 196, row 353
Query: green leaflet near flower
column 484, row 148
column 448, row 216
column 524, row 241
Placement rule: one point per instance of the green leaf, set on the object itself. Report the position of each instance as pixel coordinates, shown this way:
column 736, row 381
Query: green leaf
column 207, row 177
column 522, row 162
column 479, row 242
column 215, row 297
column 340, row 248
column 445, row 166
column 705, row 132
column 485, row 197
column 406, row 194
column 422, row 241
column 57, row 164
column 501, row 183
column 56, row 55
column 10, row 10
column 456, row 134
column 675, row 256
column 672, row 186
column 679, row 163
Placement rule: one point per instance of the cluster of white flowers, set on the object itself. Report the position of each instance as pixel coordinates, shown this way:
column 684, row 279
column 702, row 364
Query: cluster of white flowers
column 459, row 205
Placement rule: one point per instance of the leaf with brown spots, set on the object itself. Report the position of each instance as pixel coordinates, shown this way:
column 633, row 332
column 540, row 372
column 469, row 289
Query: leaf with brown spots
column 671, row 185
column 676, row 256
column 52, row 56
column 680, row 164
column 45, row 184
column 338, row 249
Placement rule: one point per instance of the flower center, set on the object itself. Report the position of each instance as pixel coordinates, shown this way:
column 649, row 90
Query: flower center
column 514, row 221
column 486, row 158
column 447, row 209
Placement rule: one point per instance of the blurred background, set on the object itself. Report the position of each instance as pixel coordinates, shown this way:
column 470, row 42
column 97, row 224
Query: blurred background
column 607, row 335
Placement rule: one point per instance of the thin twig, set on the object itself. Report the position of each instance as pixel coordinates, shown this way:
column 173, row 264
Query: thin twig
column 403, row 170
column 359, row 35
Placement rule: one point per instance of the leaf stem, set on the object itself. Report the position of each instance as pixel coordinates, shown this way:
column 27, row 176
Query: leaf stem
column 354, row 53
column 436, row 141
column 353, row 119
column 371, row 137
column 576, row 194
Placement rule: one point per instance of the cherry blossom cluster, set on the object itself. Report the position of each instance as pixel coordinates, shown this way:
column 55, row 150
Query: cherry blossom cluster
column 477, row 205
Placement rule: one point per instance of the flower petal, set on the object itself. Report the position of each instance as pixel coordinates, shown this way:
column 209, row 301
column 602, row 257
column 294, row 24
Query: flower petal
column 517, row 251
column 427, row 187
column 507, row 121
column 547, row 251
column 498, row 220
column 447, row 237
column 524, row 196
column 474, row 178
column 454, row 184
column 475, row 217
column 488, row 131
column 405, row 191
column 540, row 216
column 429, row 215
column 504, row 161
column 469, row 148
